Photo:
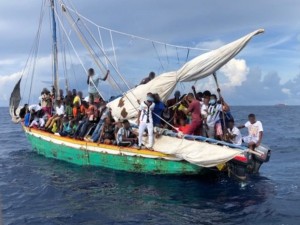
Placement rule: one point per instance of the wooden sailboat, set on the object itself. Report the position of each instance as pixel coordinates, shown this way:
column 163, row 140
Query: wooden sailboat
column 172, row 155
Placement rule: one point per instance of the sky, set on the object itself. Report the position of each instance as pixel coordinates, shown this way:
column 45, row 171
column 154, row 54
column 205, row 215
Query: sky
column 266, row 72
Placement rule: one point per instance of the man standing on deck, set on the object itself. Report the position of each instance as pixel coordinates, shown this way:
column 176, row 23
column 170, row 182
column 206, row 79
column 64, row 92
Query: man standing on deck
column 93, row 82
column 255, row 132
column 145, row 120
column 195, row 127
column 213, row 125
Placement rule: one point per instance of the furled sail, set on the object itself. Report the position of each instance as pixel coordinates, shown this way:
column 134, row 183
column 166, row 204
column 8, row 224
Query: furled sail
column 198, row 153
column 197, row 68
column 14, row 101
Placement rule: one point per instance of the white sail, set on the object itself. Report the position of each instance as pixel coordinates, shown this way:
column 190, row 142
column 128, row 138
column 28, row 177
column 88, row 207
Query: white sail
column 14, row 102
column 198, row 153
column 197, row 68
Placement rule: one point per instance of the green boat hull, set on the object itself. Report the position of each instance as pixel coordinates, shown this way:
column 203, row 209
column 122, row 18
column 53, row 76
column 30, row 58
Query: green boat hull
column 138, row 164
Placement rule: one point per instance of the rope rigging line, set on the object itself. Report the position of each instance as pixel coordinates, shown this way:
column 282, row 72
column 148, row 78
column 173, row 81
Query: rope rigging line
column 102, row 45
column 36, row 49
column 113, row 48
column 71, row 63
column 110, row 79
column 135, row 36
column 162, row 66
column 106, row 62
column 178, row 61
column 116, row 69
column 85, row 44
column 96, row 61
column 104, row 53
column 167, row 53
column 64, row 60
column 131, row 36
column 74, row 49
column 187, row 55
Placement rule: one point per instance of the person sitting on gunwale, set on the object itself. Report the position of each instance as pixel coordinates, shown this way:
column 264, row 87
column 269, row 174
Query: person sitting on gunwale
column 91, row 118
column 107, row 132
column 125, row 136
column 59, row 112
column 233, row 134
column 37, row 119
column 255, row 132
column 23, row 111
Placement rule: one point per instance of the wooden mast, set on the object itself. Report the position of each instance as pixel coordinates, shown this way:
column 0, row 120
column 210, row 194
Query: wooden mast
column 54, row 51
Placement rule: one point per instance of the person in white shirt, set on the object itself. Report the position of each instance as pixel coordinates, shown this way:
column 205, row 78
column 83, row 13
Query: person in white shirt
column 59, row 113
column 233, row 133
column 255, row 132
column 93, row 82
column 37, row 113
column 145, row 120
column 125, row 136
column 204, row 113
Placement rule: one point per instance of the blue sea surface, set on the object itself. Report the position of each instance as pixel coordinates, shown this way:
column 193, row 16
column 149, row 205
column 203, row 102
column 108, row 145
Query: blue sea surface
column 38, row 190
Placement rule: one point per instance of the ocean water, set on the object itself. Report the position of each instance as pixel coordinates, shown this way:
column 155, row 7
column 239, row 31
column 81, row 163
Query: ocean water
column 37, row 190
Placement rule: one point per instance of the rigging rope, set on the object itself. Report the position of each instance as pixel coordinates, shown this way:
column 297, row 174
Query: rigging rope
column 102, row 45
column 64, row 60
column 162, row 66
column 167, row 53
column 116, row 69
column 113, row 48
column 105, row 55
column 187, row 55
column 103, row 52
column 135, row 36
column 36, row 50
column 76, row 53
column 177, row 56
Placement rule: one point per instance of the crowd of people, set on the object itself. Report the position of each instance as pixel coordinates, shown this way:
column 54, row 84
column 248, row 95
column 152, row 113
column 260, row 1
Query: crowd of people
column 90, row 119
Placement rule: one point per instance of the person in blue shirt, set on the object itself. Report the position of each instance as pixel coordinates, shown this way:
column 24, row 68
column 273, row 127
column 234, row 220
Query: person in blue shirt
column 27, row 118
column 158, row 111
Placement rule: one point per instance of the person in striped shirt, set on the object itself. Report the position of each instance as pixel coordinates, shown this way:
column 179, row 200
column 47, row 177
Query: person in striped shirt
column 213, row 125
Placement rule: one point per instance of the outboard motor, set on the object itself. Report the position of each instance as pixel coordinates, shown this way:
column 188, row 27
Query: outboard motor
column 238, row 166
column 248, row 163
column 257, row 161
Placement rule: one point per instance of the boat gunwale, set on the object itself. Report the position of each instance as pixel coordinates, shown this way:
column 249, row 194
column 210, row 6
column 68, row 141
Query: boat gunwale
column 119, row 149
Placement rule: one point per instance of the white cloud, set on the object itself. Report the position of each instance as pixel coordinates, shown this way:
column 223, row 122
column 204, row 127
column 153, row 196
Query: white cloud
column 7, row 62
column 236, row 71
column 286, row 91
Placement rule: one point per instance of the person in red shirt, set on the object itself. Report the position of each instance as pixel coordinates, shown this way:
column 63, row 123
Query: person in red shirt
column 195, row 110
column 182, row 126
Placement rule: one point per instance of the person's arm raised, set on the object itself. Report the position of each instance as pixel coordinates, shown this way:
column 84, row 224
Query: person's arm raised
column 106, row 76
